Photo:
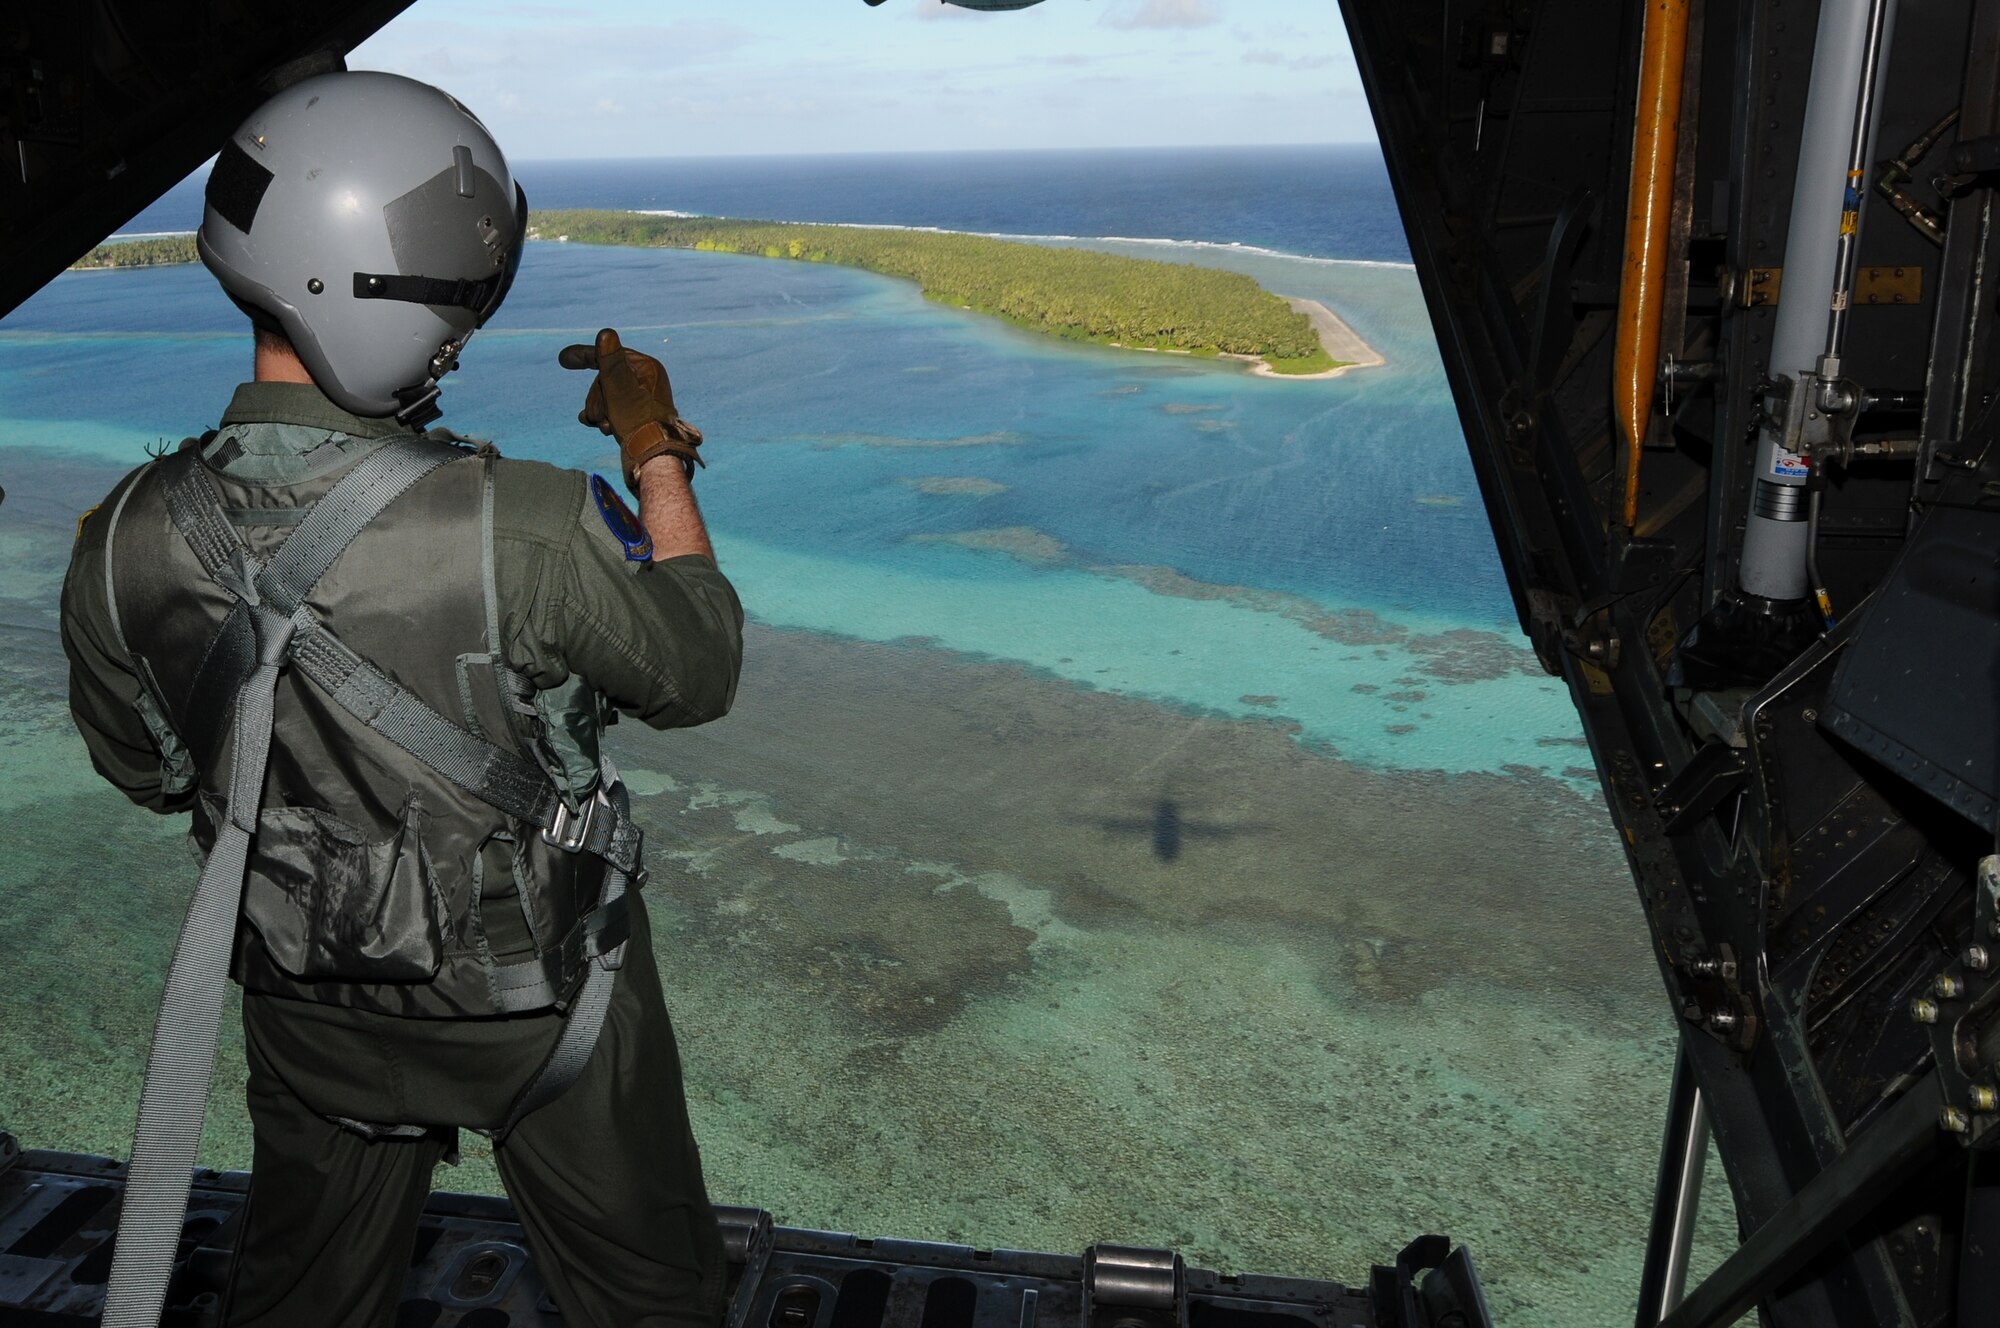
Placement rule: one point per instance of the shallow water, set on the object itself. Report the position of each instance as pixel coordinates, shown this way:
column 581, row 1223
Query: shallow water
column 1141, row 819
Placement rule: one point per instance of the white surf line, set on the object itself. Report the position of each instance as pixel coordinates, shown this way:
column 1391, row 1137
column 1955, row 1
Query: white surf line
column 1222, row 246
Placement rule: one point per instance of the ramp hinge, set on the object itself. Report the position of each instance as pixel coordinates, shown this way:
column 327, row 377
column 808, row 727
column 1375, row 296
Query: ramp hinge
column 1125, row 1286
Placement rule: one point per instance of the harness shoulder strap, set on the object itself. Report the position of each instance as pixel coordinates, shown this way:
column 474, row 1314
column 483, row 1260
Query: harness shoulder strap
column 321, row 536
column 111, row 561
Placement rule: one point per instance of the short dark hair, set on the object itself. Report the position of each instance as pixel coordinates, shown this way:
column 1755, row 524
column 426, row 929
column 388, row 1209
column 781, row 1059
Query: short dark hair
column 260, row 320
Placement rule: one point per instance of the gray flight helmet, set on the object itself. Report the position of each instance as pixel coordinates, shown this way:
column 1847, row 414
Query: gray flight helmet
column 373, row 221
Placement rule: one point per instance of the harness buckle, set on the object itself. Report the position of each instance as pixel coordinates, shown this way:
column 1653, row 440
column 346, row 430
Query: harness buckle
column 590, row 828
column 572, row 829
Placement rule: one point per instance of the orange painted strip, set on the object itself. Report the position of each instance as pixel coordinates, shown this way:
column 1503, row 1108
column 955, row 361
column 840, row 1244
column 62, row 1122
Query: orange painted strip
column 1655, row 143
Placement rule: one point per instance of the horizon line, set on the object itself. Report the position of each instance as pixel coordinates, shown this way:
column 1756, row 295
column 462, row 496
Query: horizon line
column 961, row 151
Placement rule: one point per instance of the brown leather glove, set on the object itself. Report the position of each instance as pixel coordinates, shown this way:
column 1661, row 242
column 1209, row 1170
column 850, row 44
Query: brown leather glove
column 632, row 401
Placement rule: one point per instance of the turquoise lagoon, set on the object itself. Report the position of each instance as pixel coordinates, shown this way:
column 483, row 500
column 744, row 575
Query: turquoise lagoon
column 1016, row 604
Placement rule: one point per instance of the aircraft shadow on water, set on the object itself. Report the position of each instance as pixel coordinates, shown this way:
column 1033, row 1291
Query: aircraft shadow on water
column 1167, row 829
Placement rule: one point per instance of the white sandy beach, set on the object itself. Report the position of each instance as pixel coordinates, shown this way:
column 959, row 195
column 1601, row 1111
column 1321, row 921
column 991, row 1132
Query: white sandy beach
column 1341, row 341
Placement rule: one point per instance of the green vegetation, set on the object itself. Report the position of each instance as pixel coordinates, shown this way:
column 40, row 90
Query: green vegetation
column 1079, row 294
column 154, row 251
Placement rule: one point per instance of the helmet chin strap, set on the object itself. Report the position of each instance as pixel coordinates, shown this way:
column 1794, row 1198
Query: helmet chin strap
column 419, row 405
column 420, row 402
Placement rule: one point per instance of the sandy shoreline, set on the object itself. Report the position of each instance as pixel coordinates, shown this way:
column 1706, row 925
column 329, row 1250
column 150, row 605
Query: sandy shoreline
column 1341, row 341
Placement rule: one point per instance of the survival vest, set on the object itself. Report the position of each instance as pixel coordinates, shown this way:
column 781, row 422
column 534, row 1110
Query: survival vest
column 412, row 788
column 308, row 646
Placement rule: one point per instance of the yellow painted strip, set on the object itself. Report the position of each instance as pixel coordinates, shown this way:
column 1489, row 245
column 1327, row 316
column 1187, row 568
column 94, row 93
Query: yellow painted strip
column 1655, row 142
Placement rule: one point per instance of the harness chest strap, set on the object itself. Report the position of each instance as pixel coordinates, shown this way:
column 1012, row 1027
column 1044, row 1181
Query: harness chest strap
column 487, row 771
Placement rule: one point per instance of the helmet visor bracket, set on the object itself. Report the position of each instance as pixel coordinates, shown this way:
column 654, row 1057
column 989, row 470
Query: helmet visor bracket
column 512, row 262
column 429, row 235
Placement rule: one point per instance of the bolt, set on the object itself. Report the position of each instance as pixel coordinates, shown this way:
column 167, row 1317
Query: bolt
column 1976, row 958
column 1947, row 986
column 1924, row 1010
column 1705, row 968
column 1984, row 1098
column 1953, row 1121
column 1723, row 1021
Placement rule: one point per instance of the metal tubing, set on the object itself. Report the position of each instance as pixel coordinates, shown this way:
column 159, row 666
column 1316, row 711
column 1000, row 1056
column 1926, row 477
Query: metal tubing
column 1853, row 39
column 1649, row 209
column 1858, row 155
column 1676, row 1199
column 1878, row 1159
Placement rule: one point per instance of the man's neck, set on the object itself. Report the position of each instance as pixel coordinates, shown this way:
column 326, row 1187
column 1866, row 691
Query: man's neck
column 277, row 362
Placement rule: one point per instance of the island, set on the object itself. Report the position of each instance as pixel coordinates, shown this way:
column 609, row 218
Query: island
column 140, row 251
column 1076, row 294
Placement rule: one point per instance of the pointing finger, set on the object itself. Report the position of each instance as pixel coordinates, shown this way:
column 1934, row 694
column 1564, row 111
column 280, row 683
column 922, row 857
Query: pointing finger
column 614, row 368
column 577, row 357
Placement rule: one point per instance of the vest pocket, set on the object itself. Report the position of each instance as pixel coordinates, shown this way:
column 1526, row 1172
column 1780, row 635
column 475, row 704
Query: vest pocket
column 333, row 906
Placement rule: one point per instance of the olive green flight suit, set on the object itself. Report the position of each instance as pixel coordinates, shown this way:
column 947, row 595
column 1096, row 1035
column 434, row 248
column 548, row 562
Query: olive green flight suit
column 607, row 1179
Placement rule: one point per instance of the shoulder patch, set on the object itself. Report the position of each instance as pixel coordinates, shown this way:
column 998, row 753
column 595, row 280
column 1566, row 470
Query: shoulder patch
column 626, row 528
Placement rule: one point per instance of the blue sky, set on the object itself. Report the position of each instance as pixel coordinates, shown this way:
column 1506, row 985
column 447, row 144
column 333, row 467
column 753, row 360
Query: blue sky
column 671, row 78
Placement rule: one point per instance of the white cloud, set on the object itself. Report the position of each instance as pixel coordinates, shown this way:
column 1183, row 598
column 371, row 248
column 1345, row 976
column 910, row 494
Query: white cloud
column 694, row 80
column 1161, row 14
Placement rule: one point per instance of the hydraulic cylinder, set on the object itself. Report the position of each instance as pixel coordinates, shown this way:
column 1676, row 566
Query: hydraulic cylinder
column 1851, row 48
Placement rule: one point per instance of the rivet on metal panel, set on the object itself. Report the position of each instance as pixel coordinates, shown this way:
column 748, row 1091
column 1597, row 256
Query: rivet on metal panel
column 1889, row 285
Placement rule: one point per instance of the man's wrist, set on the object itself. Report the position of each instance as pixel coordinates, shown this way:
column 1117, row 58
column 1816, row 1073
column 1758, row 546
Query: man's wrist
column 663, row 467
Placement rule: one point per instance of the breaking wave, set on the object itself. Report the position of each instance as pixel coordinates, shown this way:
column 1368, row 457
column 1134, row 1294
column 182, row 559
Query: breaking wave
column 1220, row 246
